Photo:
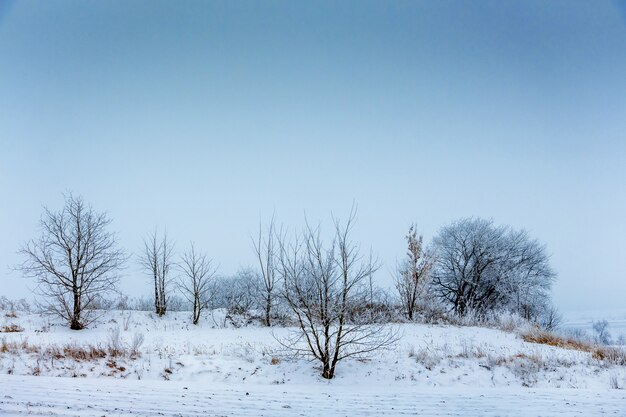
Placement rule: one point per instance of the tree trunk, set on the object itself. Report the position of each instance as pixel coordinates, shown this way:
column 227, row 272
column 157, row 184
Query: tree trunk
column 163, row 300
column 196, row 311
column 268, row 308
column 328, row 372
column 75, row 323
column 157, row 308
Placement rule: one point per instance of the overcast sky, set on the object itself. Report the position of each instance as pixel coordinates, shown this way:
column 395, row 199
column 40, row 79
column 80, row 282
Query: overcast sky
column 204, row 117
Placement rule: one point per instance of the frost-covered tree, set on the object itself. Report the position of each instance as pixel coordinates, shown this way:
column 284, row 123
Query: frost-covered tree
column 482, row 267
column 548, row 317
column 601, row 329
column 157, row 260
column 197, row 281
column 239, row 293
column 412, row 273
column 76, row 260
column 321, row 283
column 265, row 250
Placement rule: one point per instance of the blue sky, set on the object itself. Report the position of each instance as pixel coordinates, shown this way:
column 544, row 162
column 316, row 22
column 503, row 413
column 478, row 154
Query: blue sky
column 204, row 117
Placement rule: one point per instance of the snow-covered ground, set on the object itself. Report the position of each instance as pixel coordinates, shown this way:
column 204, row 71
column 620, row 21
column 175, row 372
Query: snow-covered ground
column 182, row 369
column 23, row 395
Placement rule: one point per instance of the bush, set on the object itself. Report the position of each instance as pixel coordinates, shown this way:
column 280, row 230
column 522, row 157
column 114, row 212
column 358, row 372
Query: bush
column 376, row 312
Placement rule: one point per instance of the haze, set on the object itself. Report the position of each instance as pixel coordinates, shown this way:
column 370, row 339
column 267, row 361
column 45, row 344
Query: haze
column 206, row 120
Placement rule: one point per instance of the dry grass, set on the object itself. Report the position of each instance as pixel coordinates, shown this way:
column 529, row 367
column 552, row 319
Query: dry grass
column 608, row 354
column 69, row 351
column 86, row 353
column 11, row 328
column 115, row 367
column 469, row 351
column 611, row 355
column 519, row 357
column 525, row 367
column 551, row 339
column 17, row 347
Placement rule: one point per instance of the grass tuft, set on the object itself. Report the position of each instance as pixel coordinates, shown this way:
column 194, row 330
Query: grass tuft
column 11, row 328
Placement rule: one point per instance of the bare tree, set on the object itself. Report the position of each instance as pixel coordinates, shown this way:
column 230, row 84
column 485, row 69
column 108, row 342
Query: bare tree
column 413, row 272
column 197, row 281
column 265, row 250
column 75, row 260
column 601, row 328
column 321, row 284
column 157, row 259
column 550, row 318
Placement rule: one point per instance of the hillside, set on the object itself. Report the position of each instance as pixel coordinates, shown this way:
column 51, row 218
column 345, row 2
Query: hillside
column 136, row 345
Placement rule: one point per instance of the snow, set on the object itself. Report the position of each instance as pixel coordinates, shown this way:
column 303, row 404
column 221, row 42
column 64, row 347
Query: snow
column 89, row 397
column 184, row 369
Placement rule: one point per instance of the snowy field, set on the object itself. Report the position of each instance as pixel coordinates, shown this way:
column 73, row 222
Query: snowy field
column 169, row 366
column 89, row 397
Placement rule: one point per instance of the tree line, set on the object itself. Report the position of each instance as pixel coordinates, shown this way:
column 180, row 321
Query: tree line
column 323, row 285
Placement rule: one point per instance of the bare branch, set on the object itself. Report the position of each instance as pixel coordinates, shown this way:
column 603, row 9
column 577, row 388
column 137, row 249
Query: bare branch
column 321, row 284
column 74, row 261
